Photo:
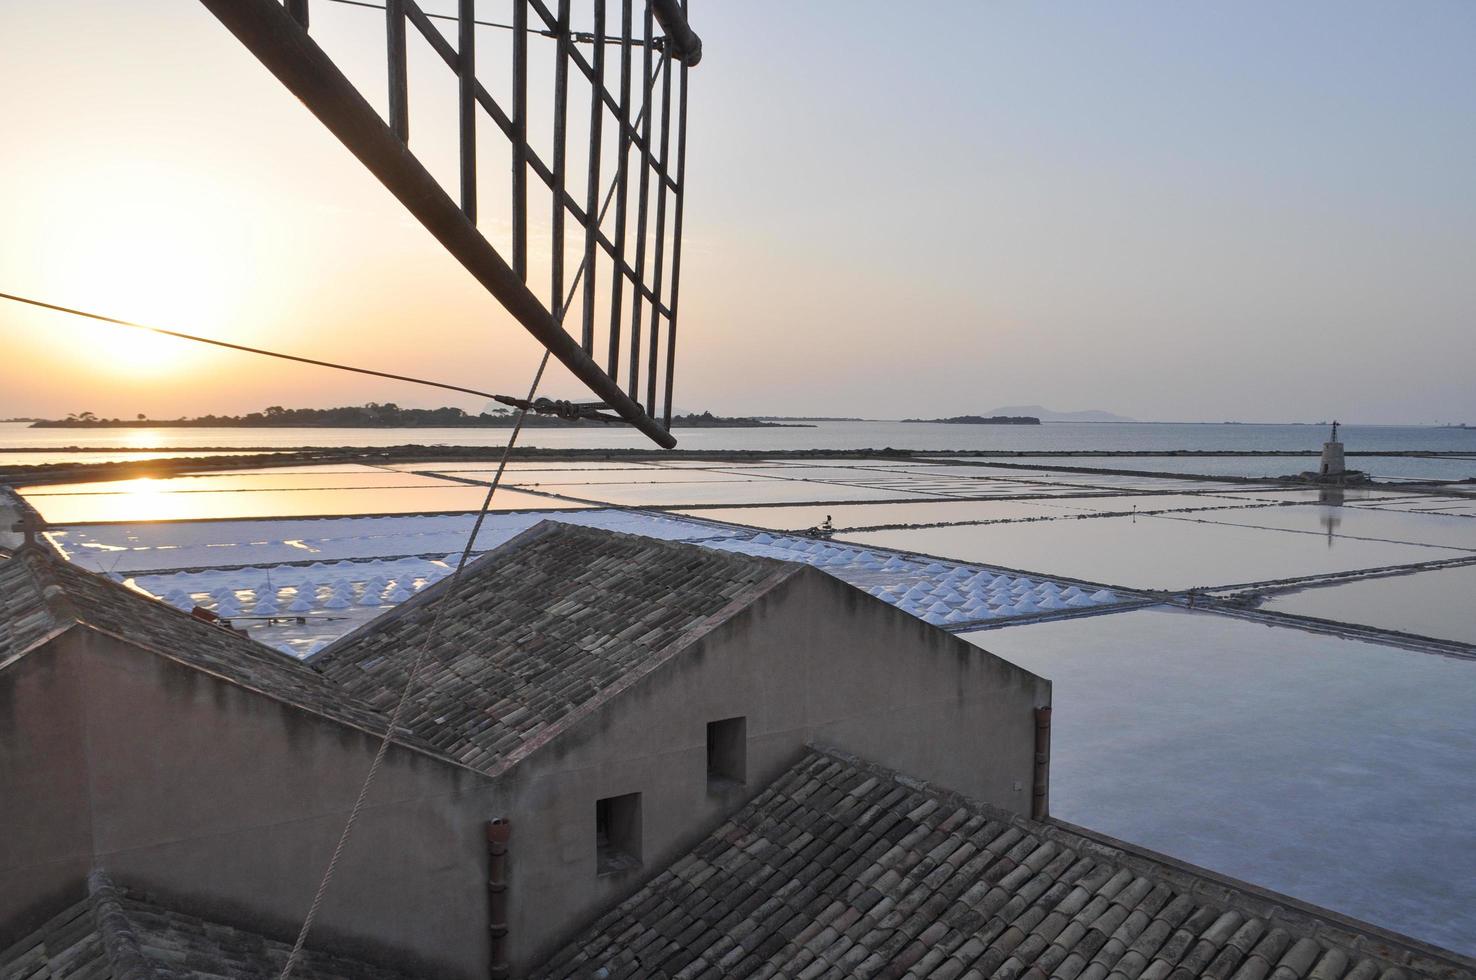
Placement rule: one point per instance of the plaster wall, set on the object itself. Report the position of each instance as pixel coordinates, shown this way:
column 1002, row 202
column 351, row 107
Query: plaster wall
column 230, row 803
column 813, row 661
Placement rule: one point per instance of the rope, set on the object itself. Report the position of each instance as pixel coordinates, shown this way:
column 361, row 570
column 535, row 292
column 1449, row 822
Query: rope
column 577, row 36
column 249, row 350
column 441, row 606
column 394, row 721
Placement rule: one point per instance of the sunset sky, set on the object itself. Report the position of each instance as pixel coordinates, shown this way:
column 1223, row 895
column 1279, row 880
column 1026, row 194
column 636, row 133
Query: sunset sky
column 1248, row 210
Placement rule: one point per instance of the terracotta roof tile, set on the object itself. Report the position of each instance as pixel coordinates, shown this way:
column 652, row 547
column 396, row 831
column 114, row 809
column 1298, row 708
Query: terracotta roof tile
column 954, row 889
column 539, row 628
column 41, row 595
column 116, row 935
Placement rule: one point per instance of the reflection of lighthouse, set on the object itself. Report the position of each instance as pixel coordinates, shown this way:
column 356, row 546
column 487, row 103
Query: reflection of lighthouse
column 1330, row 497
column 1332, row 455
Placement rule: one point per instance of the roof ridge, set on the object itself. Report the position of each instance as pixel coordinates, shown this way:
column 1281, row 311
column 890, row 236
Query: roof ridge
column 39, row 563
column 125, row 953
column 427, row 595
column 665, row 655
column 258, row 663
column 55, row 563
column 557, row 617
column 485, row 563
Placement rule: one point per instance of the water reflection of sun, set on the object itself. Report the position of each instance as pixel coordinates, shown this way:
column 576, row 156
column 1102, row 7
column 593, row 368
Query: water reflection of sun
column 143, row 439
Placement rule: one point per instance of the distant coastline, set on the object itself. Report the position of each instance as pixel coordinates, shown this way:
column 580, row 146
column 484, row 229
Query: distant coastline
column 388, row 416
column 982, row 420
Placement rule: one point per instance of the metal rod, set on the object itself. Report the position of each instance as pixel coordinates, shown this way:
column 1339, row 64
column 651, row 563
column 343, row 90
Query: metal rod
column 433, row 37
column 1040, row 796
column 592, row 209
column 684, row 45
column 560, row 158
column 660, row 266
column 542, row 171
column 645, row 184
column 617, row 285
column 269, row 32
column 520, row 140
column 499, row 830
column 466, row 39
column 576, row 57
column 399, row 83
column 676, row 243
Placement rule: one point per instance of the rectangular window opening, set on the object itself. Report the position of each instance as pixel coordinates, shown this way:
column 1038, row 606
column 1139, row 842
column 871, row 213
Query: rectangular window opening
column 727, row 753
column 618, row 833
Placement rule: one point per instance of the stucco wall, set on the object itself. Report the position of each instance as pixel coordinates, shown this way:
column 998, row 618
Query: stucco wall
column 45, row 818
column 813, row 661
column 231, row 802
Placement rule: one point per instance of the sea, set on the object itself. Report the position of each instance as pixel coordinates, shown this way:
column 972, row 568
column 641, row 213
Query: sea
column 1050, row 437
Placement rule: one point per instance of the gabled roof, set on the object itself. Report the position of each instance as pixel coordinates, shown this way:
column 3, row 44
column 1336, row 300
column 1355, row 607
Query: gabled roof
column 549, row 624
column 839, row 869
column 115, row 935
column 42, row 595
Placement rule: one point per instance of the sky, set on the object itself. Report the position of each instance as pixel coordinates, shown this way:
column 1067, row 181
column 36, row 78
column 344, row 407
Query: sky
column 1173, row 211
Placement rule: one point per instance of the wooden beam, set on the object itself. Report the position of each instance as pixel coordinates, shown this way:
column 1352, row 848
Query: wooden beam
column 267, row 29
column 399, row 81
column 520, row 139
column 592, row 188
column 466, row 77
column 617, row 286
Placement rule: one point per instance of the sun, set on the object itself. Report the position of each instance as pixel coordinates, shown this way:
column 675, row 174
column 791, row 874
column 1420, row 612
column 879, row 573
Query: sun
column 129, row 256
column 133, row 353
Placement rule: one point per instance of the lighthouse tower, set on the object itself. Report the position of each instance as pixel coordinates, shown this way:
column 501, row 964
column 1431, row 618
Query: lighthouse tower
column 1332, row 455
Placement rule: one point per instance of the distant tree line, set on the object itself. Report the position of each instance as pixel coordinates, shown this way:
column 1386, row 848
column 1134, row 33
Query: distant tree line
column 372, row 415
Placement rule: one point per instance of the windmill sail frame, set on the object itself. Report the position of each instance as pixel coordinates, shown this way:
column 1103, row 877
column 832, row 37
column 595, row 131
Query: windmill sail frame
column 277, row 34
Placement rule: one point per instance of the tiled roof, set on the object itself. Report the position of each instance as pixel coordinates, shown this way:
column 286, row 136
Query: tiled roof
column 25, row 619
column 547, row 624
column 115, row 935
column 841, row 870
column 41, row 594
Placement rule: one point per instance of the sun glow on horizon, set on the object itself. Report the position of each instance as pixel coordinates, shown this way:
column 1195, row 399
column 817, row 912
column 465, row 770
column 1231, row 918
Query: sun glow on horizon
column 132, row 246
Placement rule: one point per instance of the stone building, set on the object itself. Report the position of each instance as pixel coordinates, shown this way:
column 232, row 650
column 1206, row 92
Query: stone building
column 612, row 698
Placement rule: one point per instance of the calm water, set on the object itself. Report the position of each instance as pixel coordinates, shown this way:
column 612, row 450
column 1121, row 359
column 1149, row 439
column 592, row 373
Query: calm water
column 1051, row 437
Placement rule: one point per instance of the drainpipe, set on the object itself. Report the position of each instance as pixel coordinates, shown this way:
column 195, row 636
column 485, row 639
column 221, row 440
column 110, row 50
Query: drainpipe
column 498, row 831
column 1040, row 803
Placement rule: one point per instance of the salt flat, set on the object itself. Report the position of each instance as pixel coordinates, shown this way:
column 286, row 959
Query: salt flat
column 1335, row 770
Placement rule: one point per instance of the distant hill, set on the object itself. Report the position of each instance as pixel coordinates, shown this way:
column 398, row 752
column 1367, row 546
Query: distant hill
column 984, row 420
column 1047, row 415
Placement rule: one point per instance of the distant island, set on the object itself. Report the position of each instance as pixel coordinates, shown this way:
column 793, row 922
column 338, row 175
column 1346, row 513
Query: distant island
column 810, row 418
column 983, row 420
column 377, row 416
column 1051, row 415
